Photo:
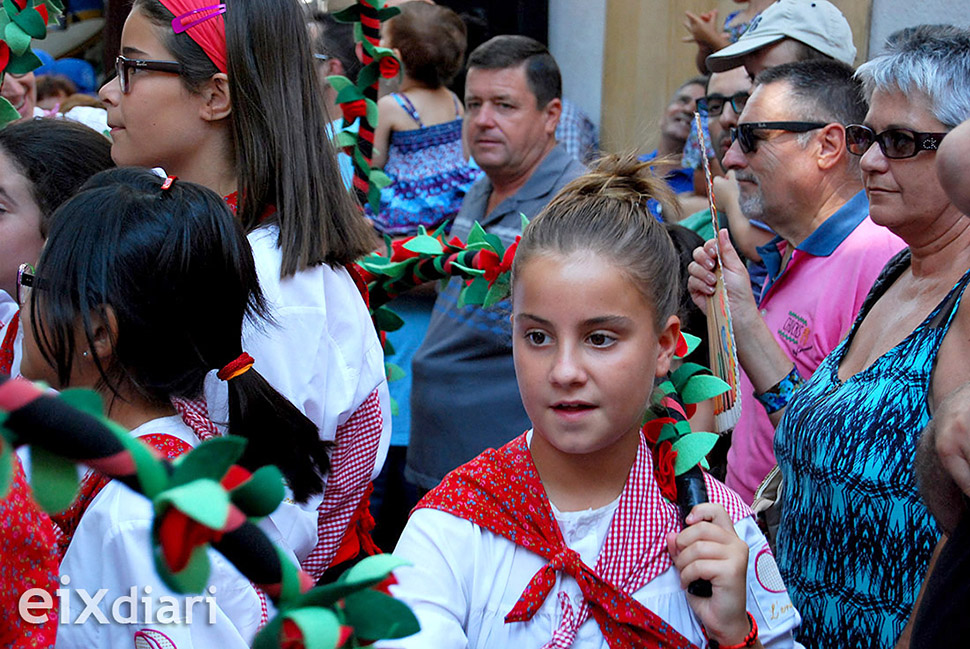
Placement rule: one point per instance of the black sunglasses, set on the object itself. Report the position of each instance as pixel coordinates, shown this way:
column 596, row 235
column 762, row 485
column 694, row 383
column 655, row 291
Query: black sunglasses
column 895, row 143
column 748, row 141
column 714, row 104
column 124, row 66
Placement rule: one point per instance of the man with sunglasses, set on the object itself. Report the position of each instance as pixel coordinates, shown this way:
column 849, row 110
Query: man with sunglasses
column 795, row 173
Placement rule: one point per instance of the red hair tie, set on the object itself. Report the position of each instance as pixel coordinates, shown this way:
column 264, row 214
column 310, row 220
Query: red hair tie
column 234, row 368
column 169, row 182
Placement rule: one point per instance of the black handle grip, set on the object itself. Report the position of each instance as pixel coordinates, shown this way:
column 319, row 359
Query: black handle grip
column 691, row 491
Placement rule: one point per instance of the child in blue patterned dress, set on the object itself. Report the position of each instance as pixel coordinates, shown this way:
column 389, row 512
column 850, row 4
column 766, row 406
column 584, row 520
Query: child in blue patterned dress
column 418, row 141
column 418, row 138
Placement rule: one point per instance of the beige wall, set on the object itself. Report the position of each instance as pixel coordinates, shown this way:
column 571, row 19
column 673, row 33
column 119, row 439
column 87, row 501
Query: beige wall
column 645, row 62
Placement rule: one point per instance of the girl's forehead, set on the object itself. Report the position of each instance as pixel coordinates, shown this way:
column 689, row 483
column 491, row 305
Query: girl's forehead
column 142, row 38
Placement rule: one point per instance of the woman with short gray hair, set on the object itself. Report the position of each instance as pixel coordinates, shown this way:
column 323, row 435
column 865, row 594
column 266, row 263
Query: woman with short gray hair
column 855, row 538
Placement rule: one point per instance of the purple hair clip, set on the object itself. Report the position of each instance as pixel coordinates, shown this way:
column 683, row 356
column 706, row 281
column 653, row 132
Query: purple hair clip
column 184, row 21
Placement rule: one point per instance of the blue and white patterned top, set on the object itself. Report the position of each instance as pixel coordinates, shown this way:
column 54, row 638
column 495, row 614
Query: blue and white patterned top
column 429, row 175
column 855, row 537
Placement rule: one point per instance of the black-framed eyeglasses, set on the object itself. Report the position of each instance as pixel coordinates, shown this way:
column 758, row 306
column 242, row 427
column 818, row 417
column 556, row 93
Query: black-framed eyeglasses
column 748, row 141
column 895, row 143
column 714, row 104
column 25, row 282
column 124, row 66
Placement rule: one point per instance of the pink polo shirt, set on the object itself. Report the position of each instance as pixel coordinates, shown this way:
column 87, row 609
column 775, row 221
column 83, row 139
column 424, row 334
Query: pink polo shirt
column 809, row 306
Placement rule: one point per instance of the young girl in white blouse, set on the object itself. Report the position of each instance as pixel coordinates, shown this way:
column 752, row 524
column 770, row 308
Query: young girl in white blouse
column 224, row 94
column 562, row 538
column 142, row 289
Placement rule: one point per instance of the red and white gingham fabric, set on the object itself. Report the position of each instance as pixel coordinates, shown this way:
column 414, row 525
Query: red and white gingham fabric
column 195, row 414
column 351, row 465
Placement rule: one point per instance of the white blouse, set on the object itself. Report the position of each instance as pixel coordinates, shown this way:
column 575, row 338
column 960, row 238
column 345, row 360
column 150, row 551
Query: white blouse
column 465, row 579
column 322, row 353
column 9, row 307
column 112, row 550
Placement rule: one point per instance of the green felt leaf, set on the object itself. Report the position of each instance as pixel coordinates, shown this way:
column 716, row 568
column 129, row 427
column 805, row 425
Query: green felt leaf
column 349, row 15
column 477, row 235
column 667, row 432
column 6, row 467
column 665, row 387
column 374, row 197
column 348, row 93
column 394, row 372
column 16, row 38
column 85, row 400
column 373, row 263
column 372, row 113
column 261, row 494
column 693, row 342
column 498, row 292
column 692, row 449
column 359, row 33
column 425, row 245
column 5, row 433
column 369, row 74
column 152, row 474
column 31, row 22
column 344, row 139
column 679, row 376
column 54, row 7
column 701, row 387
column 192, row 578
column 388, row 348
column 320, row 627
column 23, row 64
column 474, row 272
column 395, row 409
column 474, row 293
column 372, row 570
column 387, row 13
column 525, row 220
column 269, row 636
column 388, row 247
column 211, row 459
column 375, row 616
column 683, row 428
column 53, row 478
column 204, row 501
column 387, row 320
column 379, row 179
column 495, row 243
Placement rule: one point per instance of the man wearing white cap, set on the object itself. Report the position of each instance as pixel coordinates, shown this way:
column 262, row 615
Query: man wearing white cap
column 789, row 31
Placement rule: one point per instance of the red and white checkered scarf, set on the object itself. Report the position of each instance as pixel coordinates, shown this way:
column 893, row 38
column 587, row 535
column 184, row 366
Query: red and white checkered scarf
column 501, row 491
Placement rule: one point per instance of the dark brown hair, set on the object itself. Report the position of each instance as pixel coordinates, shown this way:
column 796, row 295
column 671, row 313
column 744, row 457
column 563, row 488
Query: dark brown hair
column 431, row 39
column 511, row 51
column 281, row 149
column 605, row 212
column 57, row 156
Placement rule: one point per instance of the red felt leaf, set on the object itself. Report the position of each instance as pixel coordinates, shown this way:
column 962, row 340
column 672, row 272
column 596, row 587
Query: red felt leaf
column 652, row 429
column 291, row 637
column 664, row 458
column 390, row 67
column 682, row 348
column 42, row 10
column 353, row 109
column 179, row 535
column 399, row 252
column 4, row 55
column 235, row 476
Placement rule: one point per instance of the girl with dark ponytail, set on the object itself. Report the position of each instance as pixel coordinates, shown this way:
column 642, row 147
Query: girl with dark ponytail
column 225, row 95
column 142, row 289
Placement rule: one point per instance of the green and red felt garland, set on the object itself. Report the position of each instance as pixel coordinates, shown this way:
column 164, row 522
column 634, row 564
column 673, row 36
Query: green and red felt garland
column 358, row 101
column 21, row 21
column 202, row 499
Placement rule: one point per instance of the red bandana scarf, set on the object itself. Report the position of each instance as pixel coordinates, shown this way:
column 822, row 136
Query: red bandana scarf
column 501, row 491
column 6, row 347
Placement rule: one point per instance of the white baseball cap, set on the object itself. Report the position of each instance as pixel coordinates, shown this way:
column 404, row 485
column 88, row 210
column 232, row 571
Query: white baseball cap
column 817, row 23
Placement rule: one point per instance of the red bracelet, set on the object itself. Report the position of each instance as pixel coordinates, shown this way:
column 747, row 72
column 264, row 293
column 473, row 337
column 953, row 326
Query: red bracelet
column 748, row 641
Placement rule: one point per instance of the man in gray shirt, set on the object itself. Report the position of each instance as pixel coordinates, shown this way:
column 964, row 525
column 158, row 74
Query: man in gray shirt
column 464, row 396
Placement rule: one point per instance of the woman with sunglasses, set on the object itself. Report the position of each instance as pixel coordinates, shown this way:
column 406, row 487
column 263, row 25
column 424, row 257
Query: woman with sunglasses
column 225, row 95
column 855, row 538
